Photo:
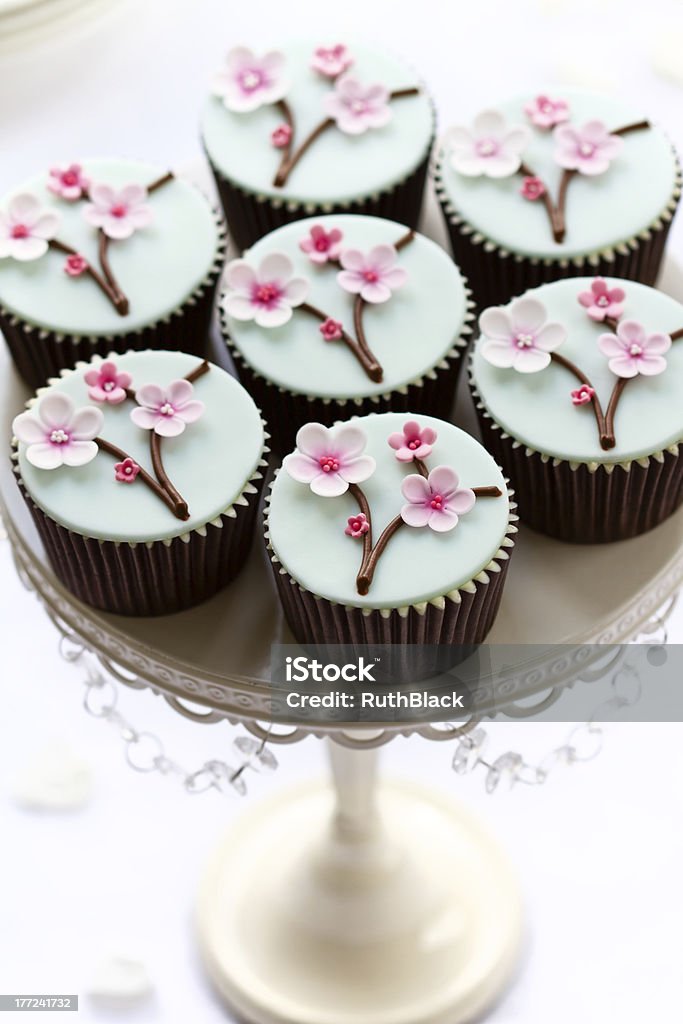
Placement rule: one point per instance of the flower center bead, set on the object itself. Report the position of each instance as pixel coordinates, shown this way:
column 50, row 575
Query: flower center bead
column 119, row 210
column 524, row 340
column 586, row 149
column 167, row 409
column 329, row 464
column 59, row 436
column 603, row 301
column 250, row 80
column 108, row 385
column 487, row 147
column 359, row 106
column 70, row 178
column 20, row 231
column 266, row 294
column 415, row 443
column 635, row 349
column 321, row 245
column 437, row 502
column 370, row 276
column 547, row 107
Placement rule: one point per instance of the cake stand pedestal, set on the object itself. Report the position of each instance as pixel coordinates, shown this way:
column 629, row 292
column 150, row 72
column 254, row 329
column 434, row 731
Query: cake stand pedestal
column 386, row 905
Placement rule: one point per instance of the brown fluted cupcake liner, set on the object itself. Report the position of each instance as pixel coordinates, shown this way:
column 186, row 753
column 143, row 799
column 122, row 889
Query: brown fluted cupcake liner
column 497, row 275
column 40, row 354
column 585, row 503
column 250, row 216
column 462, row 616
column 155, row 578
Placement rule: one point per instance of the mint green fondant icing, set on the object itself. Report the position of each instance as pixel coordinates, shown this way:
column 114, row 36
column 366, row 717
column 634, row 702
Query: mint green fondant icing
column 409, row 334
column 209, row 463
column 601, row 211
column 158, row 268
column 338, row 167
column 307, row 531
column 536, row 408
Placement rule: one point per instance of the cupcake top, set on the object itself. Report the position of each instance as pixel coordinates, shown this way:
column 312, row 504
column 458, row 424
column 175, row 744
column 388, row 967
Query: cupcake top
column 585, row 369
column 140, row 447
column 104, row 248
column 379, row 511
column 363, row 116
column 505, row 174
column 345, row 306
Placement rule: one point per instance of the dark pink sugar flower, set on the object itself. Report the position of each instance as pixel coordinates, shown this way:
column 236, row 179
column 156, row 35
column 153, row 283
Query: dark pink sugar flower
column 546, row 113
column 320, row 245
column 331, row 330
column 75, row 264
column 331, row 61
column 126, row 471
column 68, row 182
column 414, row 443
column 583, row 395
column 107, row 384
column 602, row 302
column 281, row 136
column 532, row 188
column 357, row 526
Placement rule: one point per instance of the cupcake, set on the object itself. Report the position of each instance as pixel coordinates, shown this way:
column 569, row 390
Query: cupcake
column 316, row 129
column 546, row 188
column 109, row 256
column 389, row 528
column 338, row 315
column 578, row 390
column 143, row 474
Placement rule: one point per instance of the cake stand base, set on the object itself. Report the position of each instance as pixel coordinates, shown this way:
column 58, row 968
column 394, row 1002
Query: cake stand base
column 403, row 912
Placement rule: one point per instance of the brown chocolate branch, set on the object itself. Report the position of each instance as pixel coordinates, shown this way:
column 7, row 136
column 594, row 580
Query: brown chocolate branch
column 180, row 511
column 557, row 211
column 291, row 159
column 101, row 282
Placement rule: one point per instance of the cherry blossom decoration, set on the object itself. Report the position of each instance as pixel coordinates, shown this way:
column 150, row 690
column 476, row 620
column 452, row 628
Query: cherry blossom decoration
column 373, row 276
column 519, row 337
column 320, row 245
column 588, row 150
column 491, row 147
column 414, row 443
column 602, row 302
column 266, row 295
column 632, row 350
column 329, row 460
column 331, row 61
column 436, row 501
column 355, row 108
column 166, row 411
column 248, row 82
column 545, row 113
column 107, row 384
column 281, row 136
column 68, row 183
column 75, row 265
column 583, row 395
column 26, row 228
column 357, row 526
column 119, row 213
column 126, row 471
column 57, row 433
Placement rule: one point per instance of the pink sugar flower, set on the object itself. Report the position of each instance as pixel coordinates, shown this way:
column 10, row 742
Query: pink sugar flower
column 374, row 275
column 601, row 301
column 266, row 295
column 247, row 82
column 532, row 188
column 281, row 136
column 75, row 264
column 331, row 330
column 437, row 501
column 518, row 336
column 118, row 212
column 57, row 433
column 320, row 245
column 26, row 227
column 329, row 459
column 588, row 150
column 632, row 350
column 546, row 113
column 331, row 61
column 356, row 107
column 166, row 411
column 68, row 182
column 491, row 147
column 414, row 443
column 126, row 471
column 107, row 384
column 357, row 526
column 583, row 395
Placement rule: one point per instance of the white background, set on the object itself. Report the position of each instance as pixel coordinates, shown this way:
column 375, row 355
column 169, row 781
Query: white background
column 599, row 848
